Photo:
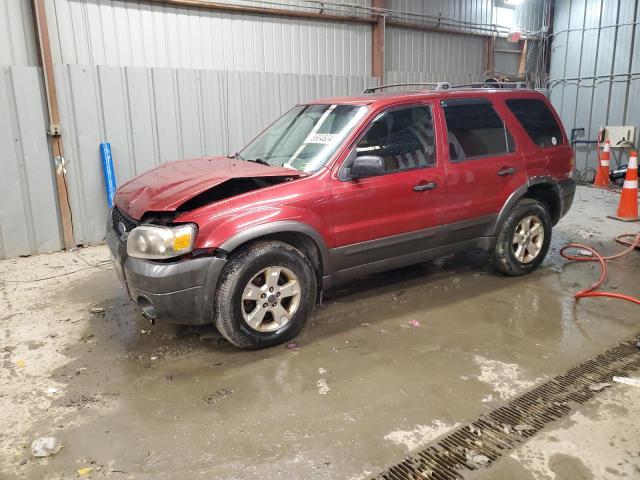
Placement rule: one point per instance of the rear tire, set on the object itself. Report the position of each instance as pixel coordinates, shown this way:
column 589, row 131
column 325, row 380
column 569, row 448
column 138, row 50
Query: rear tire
column 523, row 240
column 265, row 295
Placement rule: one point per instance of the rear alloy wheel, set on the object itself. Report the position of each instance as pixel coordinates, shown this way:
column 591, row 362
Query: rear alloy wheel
column 265, row 294
column 523, row 239
column 528, row 239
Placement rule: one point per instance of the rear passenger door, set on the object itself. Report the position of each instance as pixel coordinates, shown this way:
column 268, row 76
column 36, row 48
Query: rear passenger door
column 484, row 167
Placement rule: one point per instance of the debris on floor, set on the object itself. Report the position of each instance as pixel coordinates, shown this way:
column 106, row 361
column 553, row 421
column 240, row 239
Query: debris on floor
column 216, row 396
column 45, row 447
column 596, row 387
column 475, row 457
column 323, row 388
column 635, row 382
column 96, row 310
column 523, row 427
column 84, row 471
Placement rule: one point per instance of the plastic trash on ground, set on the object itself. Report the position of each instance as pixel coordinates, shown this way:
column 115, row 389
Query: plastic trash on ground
column 45, row 447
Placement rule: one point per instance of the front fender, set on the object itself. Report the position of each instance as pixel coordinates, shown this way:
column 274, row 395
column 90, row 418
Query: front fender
column 236, row 230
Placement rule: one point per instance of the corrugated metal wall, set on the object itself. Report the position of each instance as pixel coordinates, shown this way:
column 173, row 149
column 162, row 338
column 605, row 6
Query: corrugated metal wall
column 527, row 16
column 17, row 39
column 415, row 56
column 592, row 40
column 101, row 32
column 28, row 211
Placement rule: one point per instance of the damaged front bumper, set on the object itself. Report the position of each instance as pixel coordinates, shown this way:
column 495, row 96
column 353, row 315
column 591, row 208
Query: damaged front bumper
column 180, row 292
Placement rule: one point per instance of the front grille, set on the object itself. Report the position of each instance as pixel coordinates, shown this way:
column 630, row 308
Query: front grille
column 480, row 443
column 118, row 217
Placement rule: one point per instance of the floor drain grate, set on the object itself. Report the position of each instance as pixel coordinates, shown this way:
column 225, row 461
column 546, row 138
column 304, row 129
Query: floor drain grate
column 481, row 442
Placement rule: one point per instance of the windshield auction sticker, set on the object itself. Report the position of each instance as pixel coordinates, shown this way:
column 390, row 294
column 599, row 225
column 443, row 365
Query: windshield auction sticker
column 324, row 138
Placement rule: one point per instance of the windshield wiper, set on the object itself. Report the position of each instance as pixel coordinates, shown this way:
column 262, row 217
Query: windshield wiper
column 260, row 161
column 256, row 160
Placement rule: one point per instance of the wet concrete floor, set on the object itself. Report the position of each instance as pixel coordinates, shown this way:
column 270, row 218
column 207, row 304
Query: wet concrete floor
column 364, row 387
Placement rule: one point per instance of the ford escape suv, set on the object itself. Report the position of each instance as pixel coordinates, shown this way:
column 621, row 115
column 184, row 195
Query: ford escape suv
column 336, row 189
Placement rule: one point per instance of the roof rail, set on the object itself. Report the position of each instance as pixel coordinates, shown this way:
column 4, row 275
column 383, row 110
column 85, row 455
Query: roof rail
column 489, row 84
column 435, row 86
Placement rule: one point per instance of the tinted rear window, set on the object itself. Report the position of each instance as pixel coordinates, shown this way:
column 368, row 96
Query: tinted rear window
column 537, row 120
column 475, row 130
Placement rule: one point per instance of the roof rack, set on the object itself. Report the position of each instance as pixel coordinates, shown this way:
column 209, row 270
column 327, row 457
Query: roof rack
column 435, row 86
column 490, row 84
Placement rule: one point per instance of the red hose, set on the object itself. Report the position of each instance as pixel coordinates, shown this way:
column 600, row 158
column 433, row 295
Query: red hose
column 589, row 292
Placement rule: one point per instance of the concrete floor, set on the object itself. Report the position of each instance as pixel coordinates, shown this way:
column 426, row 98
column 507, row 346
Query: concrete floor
column 363, row 389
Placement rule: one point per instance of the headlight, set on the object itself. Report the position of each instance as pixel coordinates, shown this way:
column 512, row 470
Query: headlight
column 156, row 242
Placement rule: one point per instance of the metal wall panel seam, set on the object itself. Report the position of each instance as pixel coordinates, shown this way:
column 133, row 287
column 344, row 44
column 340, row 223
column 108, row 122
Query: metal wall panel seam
column 613, row 63
column 630, row 65
column 20, row 153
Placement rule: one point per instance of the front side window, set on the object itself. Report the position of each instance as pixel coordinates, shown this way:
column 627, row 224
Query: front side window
column 305, row 137
column 475, row 129
column 537, row 120
column 402, row 137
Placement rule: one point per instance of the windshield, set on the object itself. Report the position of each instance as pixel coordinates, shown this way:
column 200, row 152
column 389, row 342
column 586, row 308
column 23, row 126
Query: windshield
column 305, row 137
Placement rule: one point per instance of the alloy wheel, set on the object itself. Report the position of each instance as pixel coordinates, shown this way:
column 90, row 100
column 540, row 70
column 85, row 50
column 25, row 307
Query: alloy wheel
column 528, row 239
column 271, row 299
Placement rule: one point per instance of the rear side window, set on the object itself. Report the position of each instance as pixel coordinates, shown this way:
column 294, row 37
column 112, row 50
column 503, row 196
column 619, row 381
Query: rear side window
column 537, row 120
column 475, row 130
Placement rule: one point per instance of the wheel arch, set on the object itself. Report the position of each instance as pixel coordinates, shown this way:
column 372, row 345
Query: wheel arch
column 543, row 189
column 302, row 236
column 547, row 194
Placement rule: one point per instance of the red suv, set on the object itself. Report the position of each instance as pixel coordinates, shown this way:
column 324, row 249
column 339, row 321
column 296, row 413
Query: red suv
column 337, row 189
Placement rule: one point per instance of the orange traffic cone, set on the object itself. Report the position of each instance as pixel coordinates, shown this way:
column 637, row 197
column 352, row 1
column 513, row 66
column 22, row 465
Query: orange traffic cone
column 602, row 175
column 628, row 209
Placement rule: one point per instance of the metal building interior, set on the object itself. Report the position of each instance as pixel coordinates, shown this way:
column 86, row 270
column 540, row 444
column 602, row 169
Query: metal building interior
column 443, row 368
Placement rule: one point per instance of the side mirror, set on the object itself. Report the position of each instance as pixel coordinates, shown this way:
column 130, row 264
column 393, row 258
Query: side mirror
column 366, row 166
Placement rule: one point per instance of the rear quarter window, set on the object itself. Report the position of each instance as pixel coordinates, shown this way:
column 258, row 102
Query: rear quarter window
column 537, row 120
column 475, row 130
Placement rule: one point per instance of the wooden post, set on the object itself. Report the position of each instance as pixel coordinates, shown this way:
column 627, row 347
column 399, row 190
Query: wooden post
column 522, row 66
column 377, row 43
column 489, row 46
column 54, row 131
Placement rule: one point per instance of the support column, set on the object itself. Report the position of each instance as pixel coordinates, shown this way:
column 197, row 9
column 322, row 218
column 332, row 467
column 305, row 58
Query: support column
column 54, row 131
column 377, row 43
column 489, row 54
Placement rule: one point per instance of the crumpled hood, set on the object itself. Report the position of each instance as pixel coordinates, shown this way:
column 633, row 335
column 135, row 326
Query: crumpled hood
column 171, row 184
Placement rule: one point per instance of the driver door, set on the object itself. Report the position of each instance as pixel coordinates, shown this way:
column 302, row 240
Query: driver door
column 398, row 212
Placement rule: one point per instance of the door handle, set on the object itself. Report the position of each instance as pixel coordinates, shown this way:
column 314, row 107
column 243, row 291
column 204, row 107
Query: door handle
column 425, row 186
column 507, row 171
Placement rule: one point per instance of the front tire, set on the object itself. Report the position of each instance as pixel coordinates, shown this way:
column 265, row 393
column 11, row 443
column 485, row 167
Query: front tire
column 265, row 294
column 523, row 240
